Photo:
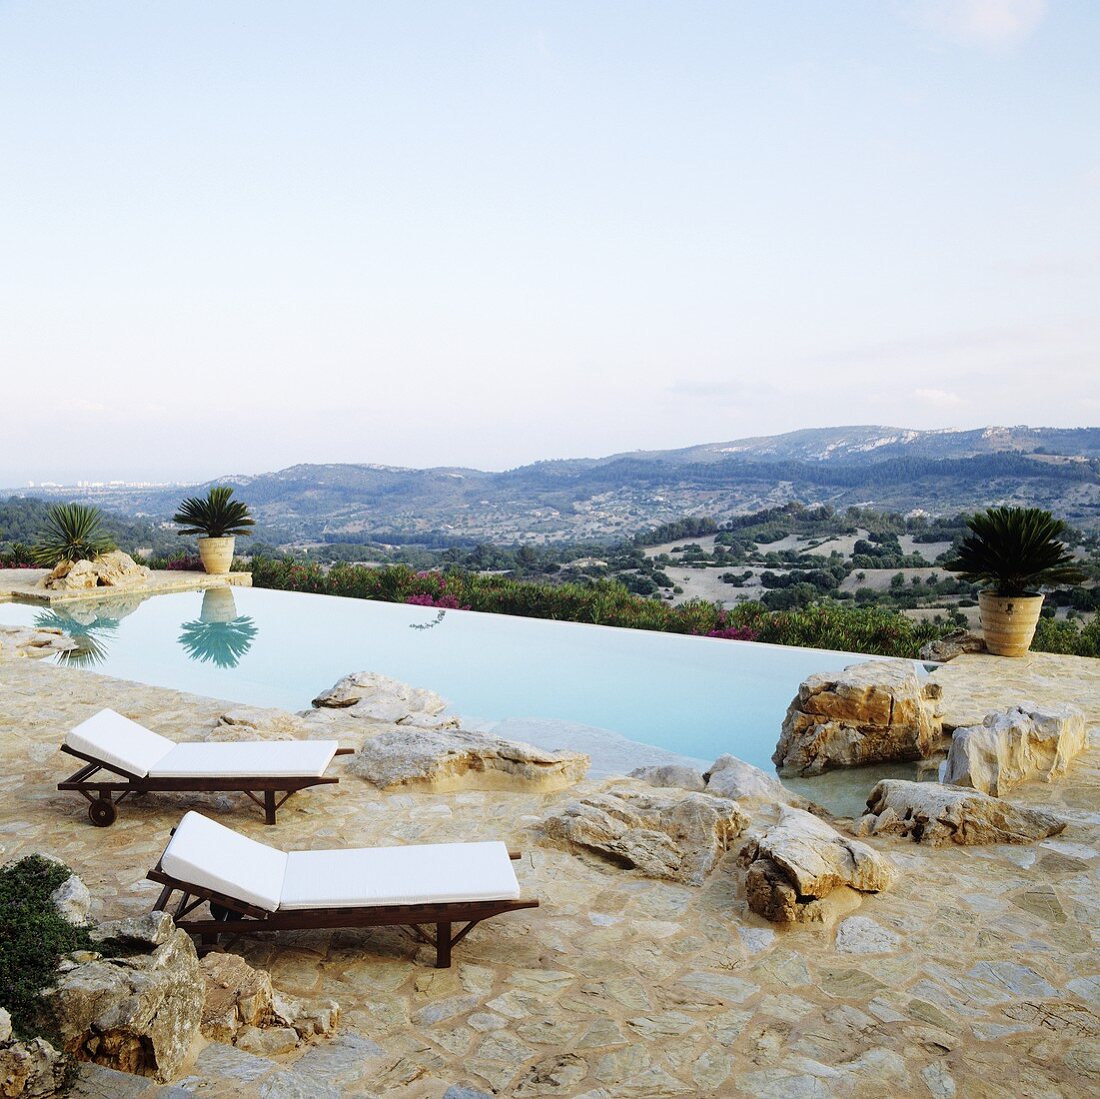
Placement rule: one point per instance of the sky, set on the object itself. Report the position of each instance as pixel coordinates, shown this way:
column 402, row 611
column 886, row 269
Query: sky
column 236, row 236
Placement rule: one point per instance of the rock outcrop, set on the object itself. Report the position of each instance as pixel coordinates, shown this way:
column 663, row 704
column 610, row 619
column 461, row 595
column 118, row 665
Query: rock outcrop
column 730, row 777
column 875, row 712
column 928, row 812
column 72, row 900
column 111, row 570
column 678, row 836
column 18, row 642
column 381, row 700
column 458, row 759
column 242, row 1008
column 257, row 723
column 1014, row 746
column 800, row 861
column 28, row 1070
column 677, row 775
column 137, row 1013
column 951, row 645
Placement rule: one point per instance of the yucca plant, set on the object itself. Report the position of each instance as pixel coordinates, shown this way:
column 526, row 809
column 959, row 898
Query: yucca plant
column 215, row 515
column 1015, row 551
column 72, row 533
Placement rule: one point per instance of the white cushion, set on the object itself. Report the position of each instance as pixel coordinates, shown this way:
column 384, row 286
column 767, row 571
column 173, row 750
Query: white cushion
column 413, row 874
column 119, row 742
column 203, row 852
column 247, row 759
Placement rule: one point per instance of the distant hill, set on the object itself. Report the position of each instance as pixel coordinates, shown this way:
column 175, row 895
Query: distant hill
column 594, row 498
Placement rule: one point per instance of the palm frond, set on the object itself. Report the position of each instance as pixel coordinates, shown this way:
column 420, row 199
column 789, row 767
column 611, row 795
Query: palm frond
column 1015, row 550
column 72, row 533
column 214, row 515
column 220, row 643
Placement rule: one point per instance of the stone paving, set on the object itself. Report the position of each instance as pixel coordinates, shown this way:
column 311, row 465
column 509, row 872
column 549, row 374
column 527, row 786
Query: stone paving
column 977, row 975
column 21, row 586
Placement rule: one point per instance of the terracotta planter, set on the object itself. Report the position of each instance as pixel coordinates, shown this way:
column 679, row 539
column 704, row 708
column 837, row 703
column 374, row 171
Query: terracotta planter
column 216, row 554
column 1008, row 622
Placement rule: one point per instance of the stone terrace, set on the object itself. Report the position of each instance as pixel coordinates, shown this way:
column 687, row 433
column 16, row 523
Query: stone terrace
column 21, row 585
column 977, row 975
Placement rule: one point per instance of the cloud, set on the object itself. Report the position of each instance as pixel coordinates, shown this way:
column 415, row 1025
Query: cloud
column 991, row 24
column 941, row 398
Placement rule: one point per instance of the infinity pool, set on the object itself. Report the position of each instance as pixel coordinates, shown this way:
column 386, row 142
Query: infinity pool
column 628, row 697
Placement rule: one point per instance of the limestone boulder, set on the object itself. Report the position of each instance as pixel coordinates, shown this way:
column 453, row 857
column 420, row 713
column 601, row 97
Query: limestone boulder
column 119, row 570
column 306, row 1017
column 460, row 759
column 874, row 712
column 951, row 645
column 28, row 1070
column 671, row 774
column 730, row 777
column 72, row 900
column 1015, row 746
column 237, row 996
column 18, row 642
column 938, row 815
column 136, row 933
column 240, row 1001
column 113, row 570
column 801, row 861
column 379, row 699
column 257, row 723
column 134, row 1013
column 71, row 576
column 677, row 835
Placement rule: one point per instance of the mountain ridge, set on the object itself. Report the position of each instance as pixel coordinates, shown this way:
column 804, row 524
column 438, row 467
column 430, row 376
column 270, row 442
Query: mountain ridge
column 938, row 471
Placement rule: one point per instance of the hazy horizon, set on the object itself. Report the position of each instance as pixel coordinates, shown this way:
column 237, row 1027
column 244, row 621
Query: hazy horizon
column 230, row 473
column 244, row 236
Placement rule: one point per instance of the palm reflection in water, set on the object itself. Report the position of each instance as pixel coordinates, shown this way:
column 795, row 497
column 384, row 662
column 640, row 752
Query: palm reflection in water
column 219, row 636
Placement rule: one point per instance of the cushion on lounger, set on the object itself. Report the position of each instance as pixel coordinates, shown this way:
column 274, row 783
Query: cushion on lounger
column 247, row 759
column 203, row 852
column 413, row 874
column 119, row 742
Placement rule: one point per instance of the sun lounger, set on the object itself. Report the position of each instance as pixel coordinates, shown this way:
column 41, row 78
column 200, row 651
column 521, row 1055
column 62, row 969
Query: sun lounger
column 145, row 762
column 252, row 887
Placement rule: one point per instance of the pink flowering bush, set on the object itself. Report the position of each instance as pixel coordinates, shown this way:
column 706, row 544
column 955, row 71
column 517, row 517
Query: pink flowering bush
column 735, row 633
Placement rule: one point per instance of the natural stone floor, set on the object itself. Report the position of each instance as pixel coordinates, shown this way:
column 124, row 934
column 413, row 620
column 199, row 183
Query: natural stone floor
column 977, row 975
column 975, row 683
column 20, row 585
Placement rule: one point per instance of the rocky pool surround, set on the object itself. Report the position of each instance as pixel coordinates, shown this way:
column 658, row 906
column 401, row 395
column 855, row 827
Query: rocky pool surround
column 975, row 973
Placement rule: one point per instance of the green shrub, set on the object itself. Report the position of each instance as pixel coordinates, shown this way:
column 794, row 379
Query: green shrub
column 1067, row 637
column 33, row 937
column 72, row 533
column 822, row 625
column 809, row 622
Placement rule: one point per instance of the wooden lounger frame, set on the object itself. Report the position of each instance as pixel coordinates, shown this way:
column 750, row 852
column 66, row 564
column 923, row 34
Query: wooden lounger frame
column 229, row 916
column 102, row 803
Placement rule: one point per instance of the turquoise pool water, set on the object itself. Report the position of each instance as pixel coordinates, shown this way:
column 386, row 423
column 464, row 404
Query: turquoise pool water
column 628, row 696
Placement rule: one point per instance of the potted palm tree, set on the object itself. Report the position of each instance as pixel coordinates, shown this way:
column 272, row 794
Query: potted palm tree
column 1014, row 551
column 217, row 519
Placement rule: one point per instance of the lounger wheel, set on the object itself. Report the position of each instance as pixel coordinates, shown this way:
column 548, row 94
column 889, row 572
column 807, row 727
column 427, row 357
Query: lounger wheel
column 220, row 912
column 102, row 812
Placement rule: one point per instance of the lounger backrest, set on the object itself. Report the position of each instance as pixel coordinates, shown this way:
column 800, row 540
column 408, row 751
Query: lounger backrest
column 119, row 742
column 207, row 854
